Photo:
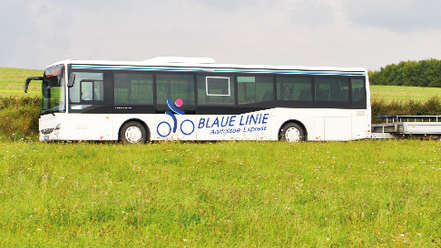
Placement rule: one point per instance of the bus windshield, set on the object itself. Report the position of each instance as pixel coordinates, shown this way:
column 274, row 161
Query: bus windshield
column 53, row 90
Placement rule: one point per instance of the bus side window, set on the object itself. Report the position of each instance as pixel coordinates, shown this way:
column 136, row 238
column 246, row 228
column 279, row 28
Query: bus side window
column 255, row 89
column 358, row 93
column 134, row 88
column 86, row 90
column 87, row 85
column 246, row 87
column 294, row 88
column 329, row 89
column 91, row 90
column 173, row 86
column 215, row 90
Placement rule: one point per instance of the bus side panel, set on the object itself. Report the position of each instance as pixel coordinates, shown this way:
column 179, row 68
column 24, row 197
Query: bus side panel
column 309, row 119
column 360, row 124
column 163, row 127
column 338, row 128
column 160, row 126
column 87, row 127
column 320, row 124
column 326, row 124
column 223, row 127
column 259, row 125
column 75, row 127
column 248, row 126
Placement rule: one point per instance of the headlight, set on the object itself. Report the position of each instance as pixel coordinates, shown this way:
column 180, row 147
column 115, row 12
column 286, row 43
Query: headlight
column 47, row 130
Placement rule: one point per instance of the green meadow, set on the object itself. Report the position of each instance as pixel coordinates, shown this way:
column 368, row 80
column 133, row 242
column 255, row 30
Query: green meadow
column 403, row 93
column 226, row 194
column 12, row 82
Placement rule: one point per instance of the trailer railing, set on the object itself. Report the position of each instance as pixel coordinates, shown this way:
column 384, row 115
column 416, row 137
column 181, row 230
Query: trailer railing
column 410, row 118
column 398, row 125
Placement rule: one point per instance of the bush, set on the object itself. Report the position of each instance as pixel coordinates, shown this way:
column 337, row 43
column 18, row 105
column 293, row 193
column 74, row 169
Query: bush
column 436, row 83
column 19, row 117
column 410, row 107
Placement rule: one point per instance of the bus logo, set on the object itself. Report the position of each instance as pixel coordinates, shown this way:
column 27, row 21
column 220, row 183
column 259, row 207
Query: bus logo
column 164, row 129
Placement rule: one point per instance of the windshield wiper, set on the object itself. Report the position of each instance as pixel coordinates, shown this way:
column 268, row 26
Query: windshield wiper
column 49, row 111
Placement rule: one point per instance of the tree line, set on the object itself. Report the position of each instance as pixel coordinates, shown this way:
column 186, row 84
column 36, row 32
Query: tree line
column 425, row 73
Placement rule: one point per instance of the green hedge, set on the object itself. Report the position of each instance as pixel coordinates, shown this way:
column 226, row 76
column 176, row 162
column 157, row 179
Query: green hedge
column 19, row 116
column 410, row 107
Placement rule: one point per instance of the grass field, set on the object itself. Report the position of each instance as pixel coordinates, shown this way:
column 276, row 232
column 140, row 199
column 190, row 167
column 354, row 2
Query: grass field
column 403, row 93
column 244, row 194
column 12, row 81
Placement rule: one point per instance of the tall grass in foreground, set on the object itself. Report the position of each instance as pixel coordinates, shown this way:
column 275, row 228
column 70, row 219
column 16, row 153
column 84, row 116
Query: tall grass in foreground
column 245, row 194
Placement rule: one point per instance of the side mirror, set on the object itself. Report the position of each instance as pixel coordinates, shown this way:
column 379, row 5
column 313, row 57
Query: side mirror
column 28, row 81
column 71, row 80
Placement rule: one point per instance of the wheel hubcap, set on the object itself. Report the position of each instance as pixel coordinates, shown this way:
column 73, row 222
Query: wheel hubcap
column 292, row 134
column 133, row 134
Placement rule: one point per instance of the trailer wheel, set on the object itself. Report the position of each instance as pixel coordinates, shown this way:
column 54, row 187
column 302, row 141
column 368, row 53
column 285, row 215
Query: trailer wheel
column 133, row 132
column 292, row 132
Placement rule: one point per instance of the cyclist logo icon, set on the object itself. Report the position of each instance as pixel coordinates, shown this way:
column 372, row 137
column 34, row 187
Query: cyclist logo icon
column 164, row 128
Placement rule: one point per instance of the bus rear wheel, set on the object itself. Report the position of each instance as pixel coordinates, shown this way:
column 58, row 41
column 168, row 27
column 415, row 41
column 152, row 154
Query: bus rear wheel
column 133, row 132
column 292, row 132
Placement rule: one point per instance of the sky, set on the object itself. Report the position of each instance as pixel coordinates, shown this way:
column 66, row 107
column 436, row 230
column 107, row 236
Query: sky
column 340, row 33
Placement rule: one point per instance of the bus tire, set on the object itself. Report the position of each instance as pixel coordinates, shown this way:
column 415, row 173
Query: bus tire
column 133, row 132
column 292, row 132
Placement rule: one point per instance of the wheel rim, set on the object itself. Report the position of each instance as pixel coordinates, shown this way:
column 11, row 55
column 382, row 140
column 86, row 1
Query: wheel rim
column 133, row 134
column 293, row 134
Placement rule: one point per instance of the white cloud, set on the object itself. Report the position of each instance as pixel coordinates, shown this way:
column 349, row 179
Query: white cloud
column 295, row 32
column 397, row 16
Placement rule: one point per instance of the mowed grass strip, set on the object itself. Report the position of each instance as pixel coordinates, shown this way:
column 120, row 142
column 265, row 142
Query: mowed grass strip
column 403, row 93
column 240, row 194
column 12, row 82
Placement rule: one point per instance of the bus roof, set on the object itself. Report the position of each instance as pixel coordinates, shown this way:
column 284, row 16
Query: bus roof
column 190, row 62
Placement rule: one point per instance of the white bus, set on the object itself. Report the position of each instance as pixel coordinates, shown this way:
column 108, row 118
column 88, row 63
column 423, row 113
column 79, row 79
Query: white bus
column 172, row 98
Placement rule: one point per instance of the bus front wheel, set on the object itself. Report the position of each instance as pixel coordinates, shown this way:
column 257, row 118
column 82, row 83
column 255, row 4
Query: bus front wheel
column 292, row 132
column 133, row 132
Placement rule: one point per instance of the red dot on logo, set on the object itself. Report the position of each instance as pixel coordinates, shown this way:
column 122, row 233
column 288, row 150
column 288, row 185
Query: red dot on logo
column 179, row 102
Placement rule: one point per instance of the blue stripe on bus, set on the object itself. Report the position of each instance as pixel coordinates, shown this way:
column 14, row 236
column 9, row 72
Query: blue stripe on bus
column 132, row 68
